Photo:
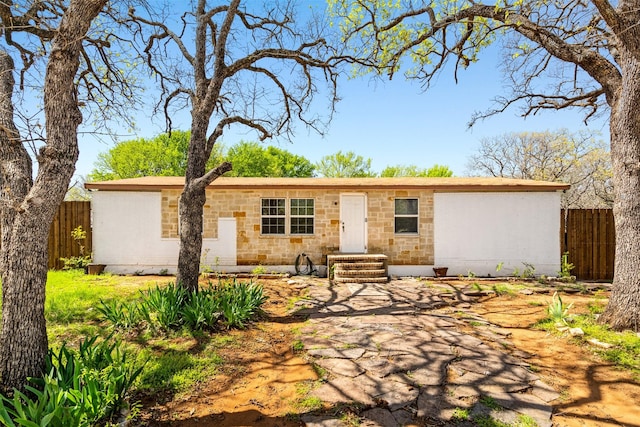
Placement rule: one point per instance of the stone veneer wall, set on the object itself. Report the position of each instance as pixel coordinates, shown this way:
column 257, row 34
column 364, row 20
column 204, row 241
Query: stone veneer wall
column 255, row 249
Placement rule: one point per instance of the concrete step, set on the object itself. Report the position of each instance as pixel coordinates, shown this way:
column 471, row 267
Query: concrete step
column 361, row 279
column 357, row 258
column 360, row 273
column 359, row 266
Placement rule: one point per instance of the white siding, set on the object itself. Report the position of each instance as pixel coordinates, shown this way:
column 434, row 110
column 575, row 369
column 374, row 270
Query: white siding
column 127, row 235
column 477, row 231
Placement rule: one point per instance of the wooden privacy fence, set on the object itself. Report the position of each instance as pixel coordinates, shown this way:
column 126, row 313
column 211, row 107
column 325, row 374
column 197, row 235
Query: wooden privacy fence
column 61, row 244
column 589, row 237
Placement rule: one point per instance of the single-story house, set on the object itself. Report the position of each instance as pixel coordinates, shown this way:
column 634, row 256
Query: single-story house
column 469, row 225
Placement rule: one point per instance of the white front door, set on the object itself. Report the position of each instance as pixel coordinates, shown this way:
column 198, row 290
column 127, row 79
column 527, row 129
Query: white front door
column 353, row 223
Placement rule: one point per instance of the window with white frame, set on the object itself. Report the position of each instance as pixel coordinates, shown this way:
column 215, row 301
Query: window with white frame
column 406, row 216
column 273, row 216
column 302, row 213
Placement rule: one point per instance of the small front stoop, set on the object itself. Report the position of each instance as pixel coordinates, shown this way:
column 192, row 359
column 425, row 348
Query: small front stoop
column 358, row 268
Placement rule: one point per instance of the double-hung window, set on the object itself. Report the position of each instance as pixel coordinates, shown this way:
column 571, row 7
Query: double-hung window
column 273, row 216
column 406, row 216
column 299, row 220
column 302, row 216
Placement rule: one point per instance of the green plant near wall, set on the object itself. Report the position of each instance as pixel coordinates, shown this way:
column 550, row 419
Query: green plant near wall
column 565, row 266
column 79, row 235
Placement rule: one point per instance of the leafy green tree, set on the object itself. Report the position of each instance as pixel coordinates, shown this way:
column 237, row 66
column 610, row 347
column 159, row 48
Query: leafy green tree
column 439, row 171
column 434, row 171
column 253, row 159
column 578, row 159
column 582, row 54
column 344, row 165
column 162, row 155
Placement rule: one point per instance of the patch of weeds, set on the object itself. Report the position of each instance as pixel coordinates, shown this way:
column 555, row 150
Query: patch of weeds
column 350, row 419
column 309, row 403
column 477, row 286
column 490, row 403
column 220, row 341
column 291, row 303
column 319, row 370
column 529, row 271
column 503, row 289
column 475, row 323
column 600, row 294
column 428, row 284
column 525, row 421
column 297, row 346
column 545, row 324
column 460, row 414
column 535, row 303
column 347, row 346
column 304, row 387
column 488, row 421
column 177, row 371
column 596, row 307
column 260, row 269
column 565, row 396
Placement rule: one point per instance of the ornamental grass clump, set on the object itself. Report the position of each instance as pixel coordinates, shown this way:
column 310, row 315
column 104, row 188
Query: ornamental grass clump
column 81, row 388
column 172, row 307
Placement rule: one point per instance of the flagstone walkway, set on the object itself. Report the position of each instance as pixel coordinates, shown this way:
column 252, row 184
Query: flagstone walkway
column 393, row 350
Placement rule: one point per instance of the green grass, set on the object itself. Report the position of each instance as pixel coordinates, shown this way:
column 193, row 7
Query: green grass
column 72, row 295
column 525, row 421
column 175, row 362
column 176, row 370
column 625, row 354
column 310, row 403
column 460, row 414
column 490, row 403
column 487, row 421
column 506, row 289
column 626, row 351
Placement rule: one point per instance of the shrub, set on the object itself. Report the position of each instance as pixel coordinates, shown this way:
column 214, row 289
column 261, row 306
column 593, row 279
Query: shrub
column 163, row 305
column 173, row 307
column 121, row 314
column 201, row 310
column 80, row 388
column 239, row 302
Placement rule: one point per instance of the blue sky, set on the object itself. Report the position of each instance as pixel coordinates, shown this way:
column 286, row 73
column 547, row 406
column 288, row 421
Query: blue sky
column 396, row 122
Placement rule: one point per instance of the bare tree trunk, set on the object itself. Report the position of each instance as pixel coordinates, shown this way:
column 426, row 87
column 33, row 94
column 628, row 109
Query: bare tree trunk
column 192, row 200
column 23, row 339
column 623, row 310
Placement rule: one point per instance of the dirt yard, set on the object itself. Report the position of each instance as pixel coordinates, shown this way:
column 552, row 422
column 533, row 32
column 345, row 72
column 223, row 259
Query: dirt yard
column 261, row 382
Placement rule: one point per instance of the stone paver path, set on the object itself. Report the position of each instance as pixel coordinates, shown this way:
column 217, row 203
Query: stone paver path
column 389, row 349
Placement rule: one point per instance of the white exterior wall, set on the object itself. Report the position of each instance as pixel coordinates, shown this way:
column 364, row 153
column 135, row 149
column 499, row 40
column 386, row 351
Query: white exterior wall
column 474, row 232
column 127, row 235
